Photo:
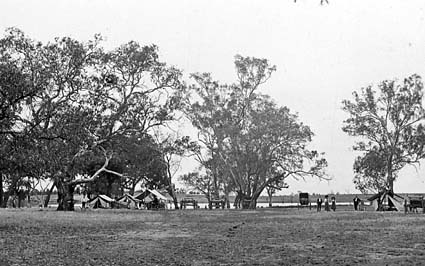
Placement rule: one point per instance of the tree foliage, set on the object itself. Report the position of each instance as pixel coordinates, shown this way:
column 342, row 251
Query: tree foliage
column 388, row 120
column 78, row 115
column 247, row 142
column 75, row 102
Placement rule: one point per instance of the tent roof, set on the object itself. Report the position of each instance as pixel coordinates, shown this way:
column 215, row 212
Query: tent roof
column 130, row 197
column 157, row 194
column 103, row 197
column 383, row 193
column 385, row 196
column 143, row 195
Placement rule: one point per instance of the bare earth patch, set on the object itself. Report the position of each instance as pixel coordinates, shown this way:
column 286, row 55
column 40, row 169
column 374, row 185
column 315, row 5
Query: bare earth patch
column 219, row 237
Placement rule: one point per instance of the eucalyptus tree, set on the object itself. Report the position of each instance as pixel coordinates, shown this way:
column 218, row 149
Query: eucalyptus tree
column 173, row 148
column 85, row 99
column 23, row 80
column 130, row 92
column 247, row 142
column 273, row 148
column 389, row 122
column 141, row 162
column 208, row 110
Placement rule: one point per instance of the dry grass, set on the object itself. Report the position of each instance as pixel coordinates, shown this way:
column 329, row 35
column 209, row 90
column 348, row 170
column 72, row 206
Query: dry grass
column 219, row 237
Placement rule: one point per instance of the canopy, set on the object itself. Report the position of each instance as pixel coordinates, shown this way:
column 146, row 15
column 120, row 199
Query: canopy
column 101, row 201
column 129, row 201
column 148, row 192
column 158, row 195
column 394, row 201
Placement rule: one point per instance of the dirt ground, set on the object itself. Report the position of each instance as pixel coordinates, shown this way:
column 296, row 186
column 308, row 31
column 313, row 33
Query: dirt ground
column 217, row 237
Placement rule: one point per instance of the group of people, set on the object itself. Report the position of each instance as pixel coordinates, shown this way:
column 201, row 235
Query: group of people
column 358, row 203
column 328, row 207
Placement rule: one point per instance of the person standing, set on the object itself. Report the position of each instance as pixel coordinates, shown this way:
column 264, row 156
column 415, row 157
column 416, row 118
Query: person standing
column 333, row 203
column 406, row 206
column 319, row 204
column 356, row 201
column 84, row 200
column 327, row 203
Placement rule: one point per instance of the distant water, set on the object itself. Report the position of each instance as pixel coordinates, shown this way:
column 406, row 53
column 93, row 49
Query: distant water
column 278, row 204
column 259, row 205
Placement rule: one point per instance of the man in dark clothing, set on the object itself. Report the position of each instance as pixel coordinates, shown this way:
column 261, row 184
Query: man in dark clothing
column 319, row 204
column 356, row 201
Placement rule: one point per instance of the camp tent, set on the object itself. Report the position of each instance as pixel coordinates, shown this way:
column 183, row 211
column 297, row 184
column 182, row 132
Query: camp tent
column 389, row 202
column 149, row 195
column 101, row 201
column 129, row 201
column 159, row 195
column 141, row 195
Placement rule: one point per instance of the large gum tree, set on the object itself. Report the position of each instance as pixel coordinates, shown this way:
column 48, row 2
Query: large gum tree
column 82, row 100
column 388, row 121
column 246, row 141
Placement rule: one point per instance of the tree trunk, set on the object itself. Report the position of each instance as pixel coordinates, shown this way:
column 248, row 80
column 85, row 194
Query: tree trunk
column 245, row 201
column 391, row 185
column 65, row 197
column 49, row 193
column 172, row 191
column 253, row 203
column 216, row 194
column 270, row 194
column 209, row 203
column 255, row 196
column 6, row 196
column 20, row 196
column 238, row 200
column 226, row 198
column 390, row 179
column 1, row 191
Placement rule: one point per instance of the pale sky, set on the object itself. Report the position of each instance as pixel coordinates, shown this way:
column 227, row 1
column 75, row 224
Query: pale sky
column 322, row 53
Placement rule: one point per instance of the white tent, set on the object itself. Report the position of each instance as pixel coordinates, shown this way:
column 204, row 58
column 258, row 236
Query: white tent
column 147, row 196
column 395, row 202
column 101, row 201
column 129, row 201
column 158, row 195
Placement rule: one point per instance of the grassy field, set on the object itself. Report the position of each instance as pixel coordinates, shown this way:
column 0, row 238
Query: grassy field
column 218, row 237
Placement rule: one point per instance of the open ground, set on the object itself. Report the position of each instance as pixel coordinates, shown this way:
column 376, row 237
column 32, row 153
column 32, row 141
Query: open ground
column 218, row 237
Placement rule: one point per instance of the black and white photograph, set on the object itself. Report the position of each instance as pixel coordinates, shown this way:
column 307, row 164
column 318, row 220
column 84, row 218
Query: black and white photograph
column 221, row 132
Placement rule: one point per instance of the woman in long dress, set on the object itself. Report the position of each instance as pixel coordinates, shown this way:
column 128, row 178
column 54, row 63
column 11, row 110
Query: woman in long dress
column 333, row 203
column 327, row 203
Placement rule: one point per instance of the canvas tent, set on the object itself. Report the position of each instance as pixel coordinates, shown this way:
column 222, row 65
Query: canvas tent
column 129, row 201
column 150, row 195
column 385, row 201
column 101, row 201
